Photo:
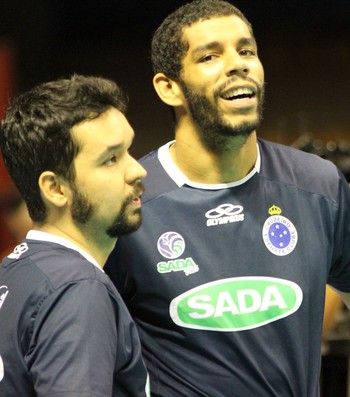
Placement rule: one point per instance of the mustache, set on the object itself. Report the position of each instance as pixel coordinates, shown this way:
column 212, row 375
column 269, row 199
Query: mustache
column 139, row 189
column 233, row 79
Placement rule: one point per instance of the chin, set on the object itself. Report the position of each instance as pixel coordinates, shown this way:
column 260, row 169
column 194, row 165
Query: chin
column 125, row 226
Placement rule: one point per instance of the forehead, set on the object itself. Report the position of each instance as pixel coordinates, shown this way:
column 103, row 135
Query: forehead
column 221, row 29
column 110, row 128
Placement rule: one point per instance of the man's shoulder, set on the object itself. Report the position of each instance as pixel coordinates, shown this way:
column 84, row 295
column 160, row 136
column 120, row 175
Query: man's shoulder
column 292, row 166
column 157, row 181
column 50, row 260
column 278, row 153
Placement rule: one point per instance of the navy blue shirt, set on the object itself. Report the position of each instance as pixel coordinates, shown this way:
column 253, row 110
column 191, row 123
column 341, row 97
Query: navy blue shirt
column 64, row 329
column 227, row 282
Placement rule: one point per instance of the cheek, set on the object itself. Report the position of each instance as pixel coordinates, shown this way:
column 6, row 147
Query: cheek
column 200, row 78
column 258, row 71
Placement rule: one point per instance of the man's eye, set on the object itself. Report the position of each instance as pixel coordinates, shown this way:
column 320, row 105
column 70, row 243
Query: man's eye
column 207, row 58
column 247, row 53
column 112, row 160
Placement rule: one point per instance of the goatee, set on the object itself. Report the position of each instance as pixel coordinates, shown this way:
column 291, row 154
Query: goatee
column 216, row 133
column 83, row 210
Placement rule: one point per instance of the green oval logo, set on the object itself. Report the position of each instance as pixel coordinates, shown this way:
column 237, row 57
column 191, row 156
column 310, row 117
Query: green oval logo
column 236, row 304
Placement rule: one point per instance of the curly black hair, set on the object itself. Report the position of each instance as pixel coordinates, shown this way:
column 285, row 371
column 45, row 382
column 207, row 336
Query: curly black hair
column 168, row 47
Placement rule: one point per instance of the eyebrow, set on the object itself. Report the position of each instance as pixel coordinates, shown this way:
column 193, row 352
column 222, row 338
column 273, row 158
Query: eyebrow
column 216, row 44
column 109, row 149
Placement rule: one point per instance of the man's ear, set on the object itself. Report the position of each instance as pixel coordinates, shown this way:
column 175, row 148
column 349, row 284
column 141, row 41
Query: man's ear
column 53, row 190
column 168, row 90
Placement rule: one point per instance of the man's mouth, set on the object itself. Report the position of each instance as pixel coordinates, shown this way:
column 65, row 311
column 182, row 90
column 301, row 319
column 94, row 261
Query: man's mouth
column 136, row 197
column 238, row 94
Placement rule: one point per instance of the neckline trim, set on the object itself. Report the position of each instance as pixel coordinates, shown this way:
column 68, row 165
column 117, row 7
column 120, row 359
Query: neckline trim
column 49, row 237
column 180, row 178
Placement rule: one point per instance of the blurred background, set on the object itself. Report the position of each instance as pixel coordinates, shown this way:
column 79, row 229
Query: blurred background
column 304, row 47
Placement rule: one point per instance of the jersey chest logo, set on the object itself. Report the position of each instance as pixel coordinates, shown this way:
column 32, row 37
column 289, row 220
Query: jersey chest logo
column 236, row 304
column 171, row 245
column 224, row 214
column 279, row 234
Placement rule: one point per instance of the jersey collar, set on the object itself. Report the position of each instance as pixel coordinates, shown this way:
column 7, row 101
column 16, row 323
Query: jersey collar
column 44, row 236
column 180, row 179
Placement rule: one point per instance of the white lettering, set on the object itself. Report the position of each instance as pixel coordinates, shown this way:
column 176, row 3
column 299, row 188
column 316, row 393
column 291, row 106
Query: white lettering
column 195, row 303
column 272, row 297
column 248, row 301
column 224, row 304
column 255, row 300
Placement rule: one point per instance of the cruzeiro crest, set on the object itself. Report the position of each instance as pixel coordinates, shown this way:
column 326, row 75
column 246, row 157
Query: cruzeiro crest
column 279, row 234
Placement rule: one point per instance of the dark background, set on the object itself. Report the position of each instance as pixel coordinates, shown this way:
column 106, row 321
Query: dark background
column 304, row 47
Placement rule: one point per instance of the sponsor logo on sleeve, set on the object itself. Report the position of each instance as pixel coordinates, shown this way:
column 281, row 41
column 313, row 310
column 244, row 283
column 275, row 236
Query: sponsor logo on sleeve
column 3, row 294
column 171, row 245
column 2, row 371
column 279, row 234
column 18, row 251
column 236, row 304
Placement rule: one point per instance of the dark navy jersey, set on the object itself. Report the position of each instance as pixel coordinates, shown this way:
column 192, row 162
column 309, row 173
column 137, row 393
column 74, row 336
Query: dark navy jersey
column 64, row 329
column 227, row 282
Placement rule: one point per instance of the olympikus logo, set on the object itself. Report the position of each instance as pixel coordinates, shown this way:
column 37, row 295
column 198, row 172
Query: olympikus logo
column 236, row 304
column 224, row 213
column 18, row 251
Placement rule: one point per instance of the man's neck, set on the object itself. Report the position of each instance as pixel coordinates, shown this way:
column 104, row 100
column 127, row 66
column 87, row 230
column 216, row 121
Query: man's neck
column 99, row 250
column 203, row 166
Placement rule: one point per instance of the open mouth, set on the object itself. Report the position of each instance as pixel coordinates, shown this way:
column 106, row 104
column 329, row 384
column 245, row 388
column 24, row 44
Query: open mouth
column 238, row 94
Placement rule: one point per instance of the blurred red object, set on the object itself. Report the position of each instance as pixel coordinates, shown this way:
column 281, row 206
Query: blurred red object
column 7, row 189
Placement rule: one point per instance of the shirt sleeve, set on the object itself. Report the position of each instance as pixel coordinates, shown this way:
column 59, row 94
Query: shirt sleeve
column 74, row 342
column 339, row 276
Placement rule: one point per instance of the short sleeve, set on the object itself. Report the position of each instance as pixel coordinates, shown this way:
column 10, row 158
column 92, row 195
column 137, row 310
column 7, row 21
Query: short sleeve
column 73, row 344
column 339, row 276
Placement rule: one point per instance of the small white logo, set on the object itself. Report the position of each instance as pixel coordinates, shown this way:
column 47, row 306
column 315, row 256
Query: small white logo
column 18, row 251
column 3, row 294
column 2, row 372
column 224, row 213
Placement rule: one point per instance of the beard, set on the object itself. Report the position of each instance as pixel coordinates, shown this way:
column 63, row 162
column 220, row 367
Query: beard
column 122, row 225
column 215, row 131
column 83, row 210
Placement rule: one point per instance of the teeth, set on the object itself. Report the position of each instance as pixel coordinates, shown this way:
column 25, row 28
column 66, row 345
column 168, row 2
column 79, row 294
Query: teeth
column 238, row 91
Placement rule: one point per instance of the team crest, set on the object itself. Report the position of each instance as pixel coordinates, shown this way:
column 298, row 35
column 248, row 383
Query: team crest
column 279, row 234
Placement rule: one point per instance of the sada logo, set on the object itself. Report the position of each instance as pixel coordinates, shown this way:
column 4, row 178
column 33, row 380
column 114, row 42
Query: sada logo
column 236, row 304
column 171, row 245
column 279, row 234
